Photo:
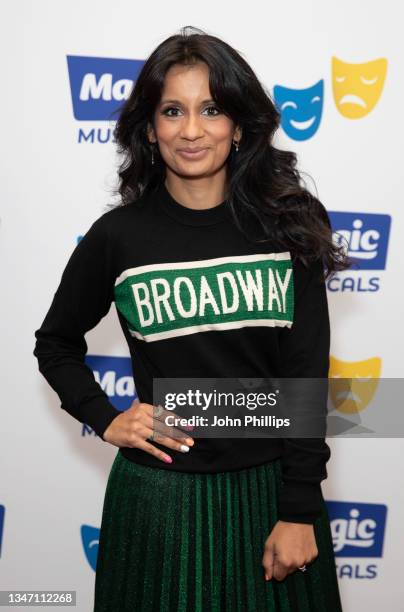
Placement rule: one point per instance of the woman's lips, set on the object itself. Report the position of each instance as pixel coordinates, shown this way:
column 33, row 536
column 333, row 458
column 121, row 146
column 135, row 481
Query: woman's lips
column 192, row 153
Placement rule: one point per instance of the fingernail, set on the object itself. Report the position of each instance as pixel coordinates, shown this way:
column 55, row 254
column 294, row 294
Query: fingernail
column 184, row 448
column 189, row 441
column 168, row 459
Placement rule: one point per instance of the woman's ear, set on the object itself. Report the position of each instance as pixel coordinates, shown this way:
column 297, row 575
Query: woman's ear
column 150, row 133
column 237, row 133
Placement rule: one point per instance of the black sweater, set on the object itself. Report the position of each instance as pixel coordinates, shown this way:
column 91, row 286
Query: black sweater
column 280, row 331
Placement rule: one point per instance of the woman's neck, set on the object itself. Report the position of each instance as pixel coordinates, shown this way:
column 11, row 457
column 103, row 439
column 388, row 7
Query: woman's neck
column 197, row 192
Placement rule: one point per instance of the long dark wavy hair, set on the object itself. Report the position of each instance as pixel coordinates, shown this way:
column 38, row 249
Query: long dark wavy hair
column 262, row 180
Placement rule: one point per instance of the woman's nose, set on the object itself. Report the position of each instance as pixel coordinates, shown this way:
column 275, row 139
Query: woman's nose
column 192, row 126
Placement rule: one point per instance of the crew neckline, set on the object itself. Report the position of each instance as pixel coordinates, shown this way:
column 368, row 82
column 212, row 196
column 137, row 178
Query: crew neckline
column 192, row 216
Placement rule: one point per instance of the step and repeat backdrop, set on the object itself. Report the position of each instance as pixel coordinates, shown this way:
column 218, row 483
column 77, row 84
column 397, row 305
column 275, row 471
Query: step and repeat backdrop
column 336, row 73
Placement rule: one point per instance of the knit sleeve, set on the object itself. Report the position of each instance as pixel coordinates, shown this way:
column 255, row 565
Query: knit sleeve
column 304, row 350
column 82, row 299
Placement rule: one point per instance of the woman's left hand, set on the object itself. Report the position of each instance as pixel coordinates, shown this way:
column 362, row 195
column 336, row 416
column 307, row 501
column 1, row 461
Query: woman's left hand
column 289, row 546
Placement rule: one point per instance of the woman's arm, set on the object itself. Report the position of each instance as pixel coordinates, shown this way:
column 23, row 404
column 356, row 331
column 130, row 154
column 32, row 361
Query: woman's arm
column 82, row 299
column 304, row 350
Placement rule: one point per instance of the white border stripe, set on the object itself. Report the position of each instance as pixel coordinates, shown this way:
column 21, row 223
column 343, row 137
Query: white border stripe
column 202, row 263
column 185, row 331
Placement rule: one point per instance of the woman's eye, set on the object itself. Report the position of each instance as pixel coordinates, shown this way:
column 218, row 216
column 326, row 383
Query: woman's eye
column 214, row 108
column 166, row 111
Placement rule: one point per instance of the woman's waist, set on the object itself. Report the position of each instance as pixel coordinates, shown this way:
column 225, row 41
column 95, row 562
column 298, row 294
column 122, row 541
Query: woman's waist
column 212, row 455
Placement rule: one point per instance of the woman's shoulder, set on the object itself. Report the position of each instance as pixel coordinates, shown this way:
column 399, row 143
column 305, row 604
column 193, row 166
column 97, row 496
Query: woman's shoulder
column 132, row 216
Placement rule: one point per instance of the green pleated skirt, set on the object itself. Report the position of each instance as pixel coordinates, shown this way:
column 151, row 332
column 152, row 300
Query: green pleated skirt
column 178, row 542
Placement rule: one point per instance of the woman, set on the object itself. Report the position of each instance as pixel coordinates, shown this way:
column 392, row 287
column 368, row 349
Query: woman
column 214, row 260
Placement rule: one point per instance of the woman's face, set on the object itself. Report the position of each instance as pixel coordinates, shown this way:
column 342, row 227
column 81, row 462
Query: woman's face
column 193, row 136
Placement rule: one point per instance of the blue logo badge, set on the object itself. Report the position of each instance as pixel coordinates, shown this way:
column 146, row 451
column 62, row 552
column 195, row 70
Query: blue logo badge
column 365, row 237
column 357, row 528
column 99, row 85
column 115, row 376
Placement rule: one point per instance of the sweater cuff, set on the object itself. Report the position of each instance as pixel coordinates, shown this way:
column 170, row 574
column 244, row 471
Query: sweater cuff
column 98, row 413
column 300, row 502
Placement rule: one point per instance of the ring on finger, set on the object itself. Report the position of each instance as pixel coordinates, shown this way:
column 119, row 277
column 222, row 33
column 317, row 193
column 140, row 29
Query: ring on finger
column 158, row 410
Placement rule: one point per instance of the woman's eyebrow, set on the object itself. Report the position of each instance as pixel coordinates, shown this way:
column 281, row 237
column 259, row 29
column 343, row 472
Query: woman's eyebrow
column 179, row 101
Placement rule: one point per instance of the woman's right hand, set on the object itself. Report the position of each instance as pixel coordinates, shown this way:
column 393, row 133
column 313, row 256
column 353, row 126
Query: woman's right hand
column 133, row 426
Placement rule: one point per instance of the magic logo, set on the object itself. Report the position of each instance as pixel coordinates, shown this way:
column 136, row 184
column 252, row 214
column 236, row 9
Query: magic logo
column 358, row 533
column 365, row 238
column 115, row 376
column 98, row 87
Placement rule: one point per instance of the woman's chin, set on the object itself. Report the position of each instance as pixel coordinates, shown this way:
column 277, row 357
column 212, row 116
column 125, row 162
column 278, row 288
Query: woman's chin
column 194, row 171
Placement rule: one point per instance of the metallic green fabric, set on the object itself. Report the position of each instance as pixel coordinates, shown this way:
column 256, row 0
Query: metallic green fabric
column 177, row 542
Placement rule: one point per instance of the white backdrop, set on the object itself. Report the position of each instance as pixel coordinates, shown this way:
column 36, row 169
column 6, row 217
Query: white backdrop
column 53, row 471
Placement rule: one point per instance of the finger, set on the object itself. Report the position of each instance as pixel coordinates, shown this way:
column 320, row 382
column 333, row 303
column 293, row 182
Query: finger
column 161, row 414
column 153, row 450
column 178, row 445
column 268, row 562
column 150, row 433
column 145, row 424
column 281, row 570
column 173, row 431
